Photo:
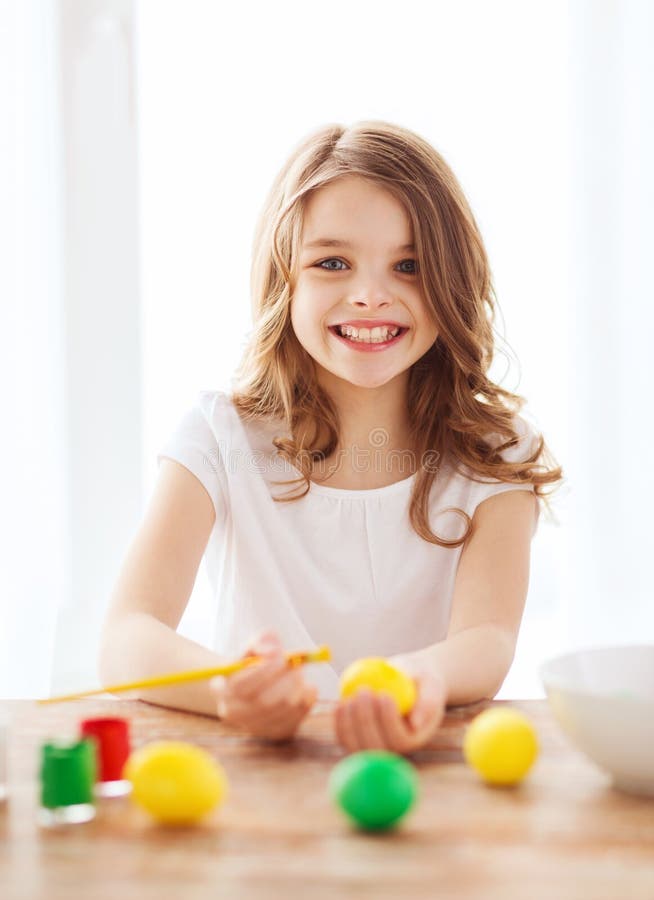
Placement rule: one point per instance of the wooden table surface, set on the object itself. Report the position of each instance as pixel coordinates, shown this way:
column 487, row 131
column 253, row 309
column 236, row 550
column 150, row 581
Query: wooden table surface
column 563, row 833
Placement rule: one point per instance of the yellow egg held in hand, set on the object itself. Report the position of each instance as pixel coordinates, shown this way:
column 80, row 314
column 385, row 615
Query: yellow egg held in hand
column 501, row 745
column 176, row 782
column 378, row 675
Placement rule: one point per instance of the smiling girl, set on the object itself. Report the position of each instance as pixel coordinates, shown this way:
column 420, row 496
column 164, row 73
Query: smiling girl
column 412, row 487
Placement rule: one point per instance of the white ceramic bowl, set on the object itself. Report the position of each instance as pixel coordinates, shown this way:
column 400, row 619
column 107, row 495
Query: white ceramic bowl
column 603, row 698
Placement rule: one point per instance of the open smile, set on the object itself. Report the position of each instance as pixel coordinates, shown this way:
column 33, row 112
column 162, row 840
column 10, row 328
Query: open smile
column 367, row 346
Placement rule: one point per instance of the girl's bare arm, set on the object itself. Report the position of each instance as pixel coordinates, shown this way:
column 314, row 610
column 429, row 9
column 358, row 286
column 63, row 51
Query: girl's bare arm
column 153, row 590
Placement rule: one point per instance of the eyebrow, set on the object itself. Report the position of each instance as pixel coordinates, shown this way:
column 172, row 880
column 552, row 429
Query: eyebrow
column 335, row 242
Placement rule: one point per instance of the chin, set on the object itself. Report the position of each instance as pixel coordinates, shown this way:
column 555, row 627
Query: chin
column 370, row 381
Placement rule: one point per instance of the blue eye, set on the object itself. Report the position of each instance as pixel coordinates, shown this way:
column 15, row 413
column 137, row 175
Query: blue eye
column 321, row 265
column 330, row 269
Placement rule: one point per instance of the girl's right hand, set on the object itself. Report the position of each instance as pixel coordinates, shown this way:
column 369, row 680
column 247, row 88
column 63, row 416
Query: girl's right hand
column 268, row 699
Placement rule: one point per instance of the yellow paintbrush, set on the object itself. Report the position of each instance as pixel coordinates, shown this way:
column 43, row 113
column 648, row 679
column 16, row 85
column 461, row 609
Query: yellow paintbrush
column 321, row 654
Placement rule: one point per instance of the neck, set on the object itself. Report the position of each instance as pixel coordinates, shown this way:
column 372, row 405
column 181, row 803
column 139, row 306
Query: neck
column 374, row 423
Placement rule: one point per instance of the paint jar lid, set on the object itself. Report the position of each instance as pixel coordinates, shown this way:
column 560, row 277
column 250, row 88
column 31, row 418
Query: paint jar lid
column 68, row 772
column 112, row 735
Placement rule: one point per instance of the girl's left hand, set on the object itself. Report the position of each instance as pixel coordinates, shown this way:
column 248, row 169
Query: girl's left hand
column 371, row 721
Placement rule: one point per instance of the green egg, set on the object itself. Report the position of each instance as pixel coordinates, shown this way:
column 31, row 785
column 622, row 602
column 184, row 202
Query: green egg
column 374, row 788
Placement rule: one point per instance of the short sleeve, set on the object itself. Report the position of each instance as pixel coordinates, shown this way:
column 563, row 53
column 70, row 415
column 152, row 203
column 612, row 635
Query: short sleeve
column 193, row 444
column 526, row 445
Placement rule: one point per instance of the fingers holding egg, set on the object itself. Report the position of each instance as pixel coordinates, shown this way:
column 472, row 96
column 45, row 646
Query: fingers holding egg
column 395, row 729
column 377, row 674
column 369, row 731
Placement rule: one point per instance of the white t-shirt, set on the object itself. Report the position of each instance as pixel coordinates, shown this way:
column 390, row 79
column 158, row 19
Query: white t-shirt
column 338, row 567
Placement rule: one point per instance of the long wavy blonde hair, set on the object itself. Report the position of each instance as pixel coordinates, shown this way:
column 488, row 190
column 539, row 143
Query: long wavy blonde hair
column 453, row 405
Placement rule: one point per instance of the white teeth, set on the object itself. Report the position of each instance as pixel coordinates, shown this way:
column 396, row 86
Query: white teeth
column 371, row 336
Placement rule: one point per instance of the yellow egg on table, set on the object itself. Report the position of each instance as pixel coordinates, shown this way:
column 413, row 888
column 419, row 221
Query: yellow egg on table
column 376, row 674
column 501, row 745
column 176, row 782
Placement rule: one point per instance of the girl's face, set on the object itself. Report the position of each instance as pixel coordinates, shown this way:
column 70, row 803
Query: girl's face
column 368, row 277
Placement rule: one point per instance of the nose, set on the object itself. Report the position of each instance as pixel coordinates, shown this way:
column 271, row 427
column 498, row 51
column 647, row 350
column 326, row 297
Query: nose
column 372, row 304
column 373, row 296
